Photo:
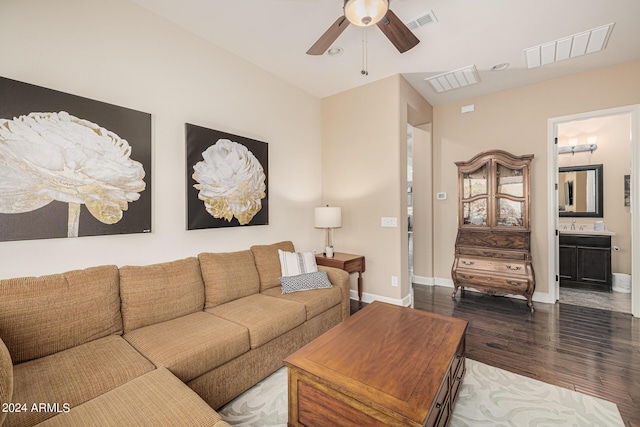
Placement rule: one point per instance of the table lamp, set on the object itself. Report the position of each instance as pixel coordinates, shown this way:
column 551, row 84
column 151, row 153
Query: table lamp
column 328, row 217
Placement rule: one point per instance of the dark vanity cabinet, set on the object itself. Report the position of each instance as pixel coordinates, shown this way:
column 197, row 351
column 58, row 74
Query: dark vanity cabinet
column 585, row 261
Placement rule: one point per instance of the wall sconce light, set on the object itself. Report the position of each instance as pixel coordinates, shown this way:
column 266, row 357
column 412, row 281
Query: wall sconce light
column 328, row 217
column 577, row 148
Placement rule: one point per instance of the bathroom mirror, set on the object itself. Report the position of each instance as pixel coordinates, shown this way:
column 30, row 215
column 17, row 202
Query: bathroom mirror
column 580, row 191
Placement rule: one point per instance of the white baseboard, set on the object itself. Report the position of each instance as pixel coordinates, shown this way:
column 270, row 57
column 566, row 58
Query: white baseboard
column 543, row 297
column 369, row 298
column 440, row 281
column 421, row 280
column 406, row 301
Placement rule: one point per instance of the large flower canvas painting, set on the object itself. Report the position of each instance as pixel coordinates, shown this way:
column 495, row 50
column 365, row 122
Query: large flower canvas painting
column 226, row 179
column 71, row 166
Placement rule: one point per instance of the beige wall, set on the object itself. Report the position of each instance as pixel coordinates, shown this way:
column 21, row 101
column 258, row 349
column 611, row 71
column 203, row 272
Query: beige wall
column 614, row 153
column 517, row 121
column 117, row 52
column 364, row 171
column 422, row 204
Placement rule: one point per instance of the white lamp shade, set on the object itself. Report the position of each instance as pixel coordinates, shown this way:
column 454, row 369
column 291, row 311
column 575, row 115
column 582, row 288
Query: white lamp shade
column 328, row 217
column 365, row 13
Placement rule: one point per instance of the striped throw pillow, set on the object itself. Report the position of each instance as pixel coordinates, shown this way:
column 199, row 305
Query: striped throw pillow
column 295, row 263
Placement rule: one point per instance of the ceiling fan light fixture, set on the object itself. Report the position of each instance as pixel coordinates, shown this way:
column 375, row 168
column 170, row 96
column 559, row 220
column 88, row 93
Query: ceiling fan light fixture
column 365, row 13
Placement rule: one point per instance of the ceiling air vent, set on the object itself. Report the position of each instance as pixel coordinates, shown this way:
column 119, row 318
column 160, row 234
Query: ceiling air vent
column 422, row 20
column 454, row 79
column 579, row 44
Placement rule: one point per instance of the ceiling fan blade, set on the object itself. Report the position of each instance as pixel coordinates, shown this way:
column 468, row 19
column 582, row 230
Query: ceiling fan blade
column 326, row 40
column 397, row 33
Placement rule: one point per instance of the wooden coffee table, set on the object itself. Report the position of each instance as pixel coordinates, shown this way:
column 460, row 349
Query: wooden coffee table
column 384, row 366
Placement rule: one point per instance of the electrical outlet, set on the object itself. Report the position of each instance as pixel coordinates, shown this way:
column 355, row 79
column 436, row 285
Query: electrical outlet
column 394, row 281
column 388, row 221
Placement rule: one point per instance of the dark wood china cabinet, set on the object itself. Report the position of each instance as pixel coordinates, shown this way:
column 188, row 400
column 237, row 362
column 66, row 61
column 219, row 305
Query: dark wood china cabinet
column 493, row 245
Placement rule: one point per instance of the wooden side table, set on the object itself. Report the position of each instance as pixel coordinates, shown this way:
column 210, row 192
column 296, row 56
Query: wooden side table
column 348, row 262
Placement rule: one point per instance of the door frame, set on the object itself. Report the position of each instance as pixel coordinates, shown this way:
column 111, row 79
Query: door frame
column 552, row 199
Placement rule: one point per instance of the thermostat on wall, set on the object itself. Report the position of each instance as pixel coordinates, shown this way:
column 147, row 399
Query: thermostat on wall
column 441, row 196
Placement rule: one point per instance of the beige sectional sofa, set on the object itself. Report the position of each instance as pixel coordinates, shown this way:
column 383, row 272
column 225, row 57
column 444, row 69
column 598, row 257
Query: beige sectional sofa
column 158, row 345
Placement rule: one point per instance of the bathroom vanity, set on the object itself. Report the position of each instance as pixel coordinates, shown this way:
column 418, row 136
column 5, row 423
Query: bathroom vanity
column 585, row 259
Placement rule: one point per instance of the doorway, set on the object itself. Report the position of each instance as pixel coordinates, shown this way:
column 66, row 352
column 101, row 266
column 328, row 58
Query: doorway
column 595, row 132
column 420, row 204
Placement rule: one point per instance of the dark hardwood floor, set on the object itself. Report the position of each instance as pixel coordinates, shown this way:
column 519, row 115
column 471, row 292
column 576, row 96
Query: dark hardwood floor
column 593, row 351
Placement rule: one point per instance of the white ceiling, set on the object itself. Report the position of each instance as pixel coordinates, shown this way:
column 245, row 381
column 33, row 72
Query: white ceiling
column 275, row 34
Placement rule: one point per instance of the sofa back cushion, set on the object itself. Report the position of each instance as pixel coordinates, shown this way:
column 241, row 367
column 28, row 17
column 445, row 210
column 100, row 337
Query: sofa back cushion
column 228, row 276
column 47, row 314
column 268, row 263
column 159, row 292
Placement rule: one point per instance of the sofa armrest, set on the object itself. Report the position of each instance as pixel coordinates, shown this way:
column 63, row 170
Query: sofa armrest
column 340, row 278
column 6, row 378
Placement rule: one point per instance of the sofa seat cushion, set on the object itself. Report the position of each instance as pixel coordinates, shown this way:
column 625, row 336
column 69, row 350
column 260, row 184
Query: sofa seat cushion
column 191, row 345
column 74, row 376
column 265, row 317
column 316, row 301
column 157, row 398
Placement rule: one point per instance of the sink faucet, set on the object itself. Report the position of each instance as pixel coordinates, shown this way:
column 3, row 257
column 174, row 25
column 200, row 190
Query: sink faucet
column 573, row 224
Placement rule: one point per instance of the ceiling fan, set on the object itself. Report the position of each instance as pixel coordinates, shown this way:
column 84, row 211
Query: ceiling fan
column 366, row 13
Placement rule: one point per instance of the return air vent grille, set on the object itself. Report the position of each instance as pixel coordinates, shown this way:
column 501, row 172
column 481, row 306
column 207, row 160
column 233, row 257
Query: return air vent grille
column 454, row 79
column 422, row 20
column 579, row 44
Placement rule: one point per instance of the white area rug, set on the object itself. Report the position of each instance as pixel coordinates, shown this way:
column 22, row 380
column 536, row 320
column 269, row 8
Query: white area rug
column 488, row 397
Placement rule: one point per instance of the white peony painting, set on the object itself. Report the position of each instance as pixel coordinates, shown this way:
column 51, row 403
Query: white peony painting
column 63, row 175
column 228, row 179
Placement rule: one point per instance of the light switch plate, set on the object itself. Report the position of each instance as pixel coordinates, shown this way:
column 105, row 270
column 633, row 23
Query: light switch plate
column 388, row 221
column 441, row 196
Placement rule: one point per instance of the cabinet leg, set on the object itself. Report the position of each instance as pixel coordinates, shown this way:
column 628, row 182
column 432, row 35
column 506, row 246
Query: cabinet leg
column 455, row 291
column 530, row 303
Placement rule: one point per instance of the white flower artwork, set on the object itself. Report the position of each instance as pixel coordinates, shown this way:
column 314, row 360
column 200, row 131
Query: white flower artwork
column 56, row 156
column 231, row 181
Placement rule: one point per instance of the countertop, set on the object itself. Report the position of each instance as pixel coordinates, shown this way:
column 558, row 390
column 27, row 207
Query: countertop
column 588, row 232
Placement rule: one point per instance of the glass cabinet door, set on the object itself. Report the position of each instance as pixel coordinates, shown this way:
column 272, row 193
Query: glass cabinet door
column 509, row 181
column 493, row 191
column 475, row 195
column 509, row 196
column 509, row 213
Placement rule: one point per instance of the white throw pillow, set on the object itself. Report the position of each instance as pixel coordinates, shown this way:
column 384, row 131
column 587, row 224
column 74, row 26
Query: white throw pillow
column 295, row 263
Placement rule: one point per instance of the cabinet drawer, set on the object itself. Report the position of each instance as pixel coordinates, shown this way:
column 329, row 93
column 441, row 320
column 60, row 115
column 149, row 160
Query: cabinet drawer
column 455, row 365
column 441, row 406
column 493, row 284
column 582, row 240
column 456, row 381
column 517, row 268
column 475, row 264
column 490, row 253
column 444, row 415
